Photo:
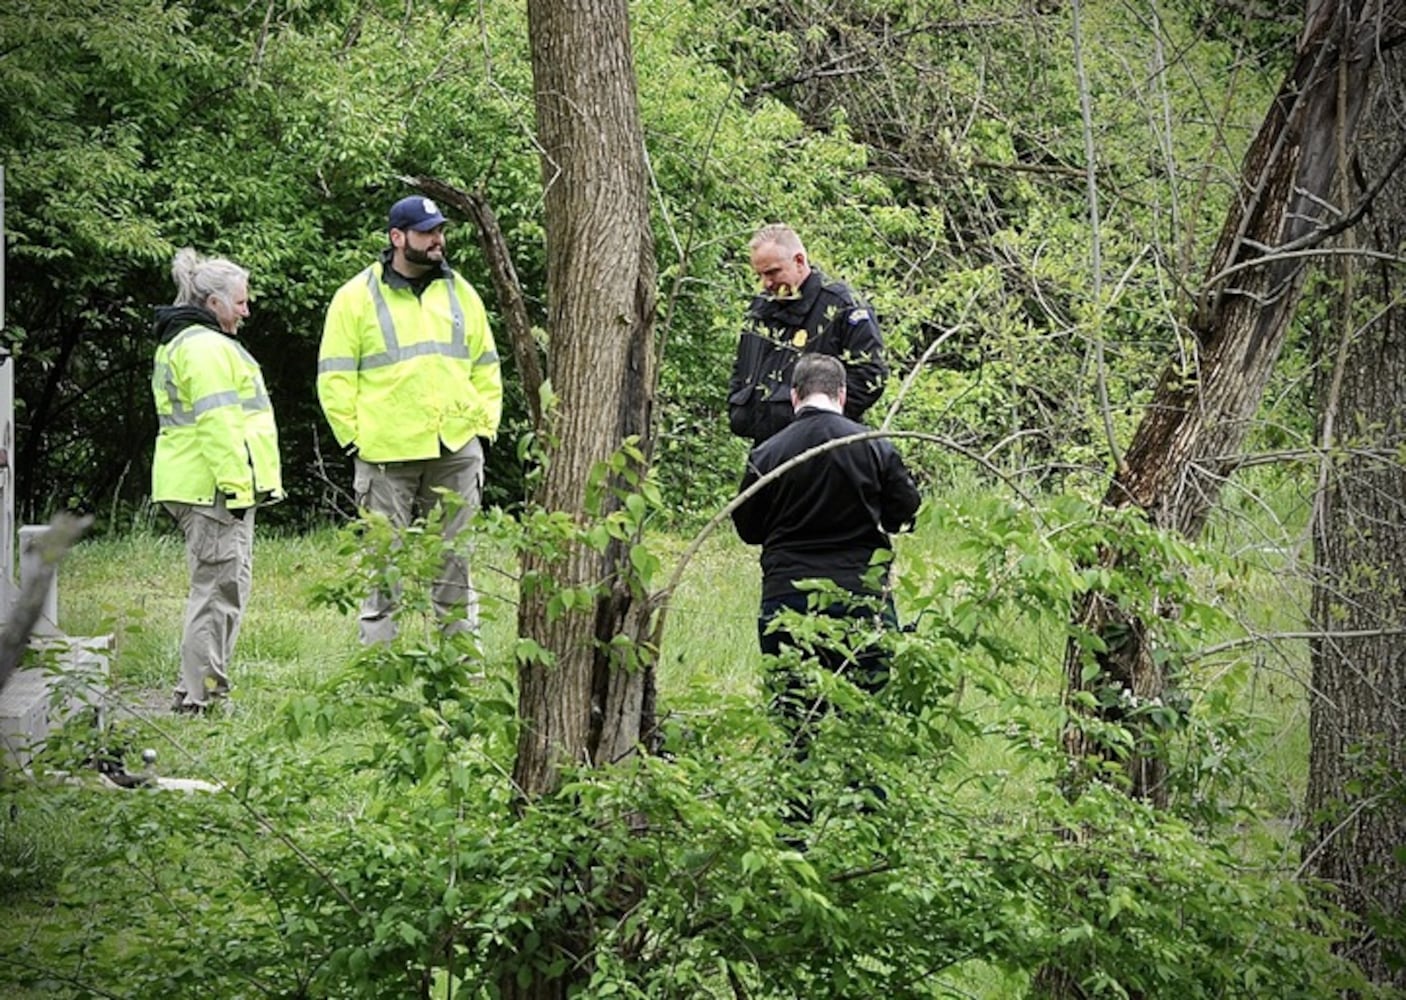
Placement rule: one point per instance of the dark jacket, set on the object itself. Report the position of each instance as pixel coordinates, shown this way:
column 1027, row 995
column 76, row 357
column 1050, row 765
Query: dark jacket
column 827, row 516
column 827, row 318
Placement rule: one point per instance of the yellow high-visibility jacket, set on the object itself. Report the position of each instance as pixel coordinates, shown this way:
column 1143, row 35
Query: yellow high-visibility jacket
column 217, row 431
column 400, row 376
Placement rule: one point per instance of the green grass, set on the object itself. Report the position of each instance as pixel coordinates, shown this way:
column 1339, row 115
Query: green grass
column 710, row 639
column 710, row 636
column 133, row 588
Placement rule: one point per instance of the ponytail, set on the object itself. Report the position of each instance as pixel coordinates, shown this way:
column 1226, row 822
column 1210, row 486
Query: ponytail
column 197, row 278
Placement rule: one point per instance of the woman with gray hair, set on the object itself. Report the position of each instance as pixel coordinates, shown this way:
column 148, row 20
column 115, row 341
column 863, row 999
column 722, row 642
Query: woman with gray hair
column 216, row 460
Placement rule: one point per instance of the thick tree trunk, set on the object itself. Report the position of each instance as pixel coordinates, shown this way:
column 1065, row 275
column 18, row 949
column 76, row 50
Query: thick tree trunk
column 601, row 295
column 1190, row 437
column 1357, row 721
column 586, row 705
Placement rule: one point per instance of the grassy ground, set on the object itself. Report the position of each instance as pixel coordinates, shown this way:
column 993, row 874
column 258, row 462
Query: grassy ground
column 133, row 588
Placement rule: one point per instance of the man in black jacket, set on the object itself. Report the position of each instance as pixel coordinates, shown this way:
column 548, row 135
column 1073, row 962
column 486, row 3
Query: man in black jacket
column 825, row 518
column 800, row 311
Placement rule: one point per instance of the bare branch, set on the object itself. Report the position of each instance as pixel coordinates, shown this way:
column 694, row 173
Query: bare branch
column 474, row 204
column 64, row 532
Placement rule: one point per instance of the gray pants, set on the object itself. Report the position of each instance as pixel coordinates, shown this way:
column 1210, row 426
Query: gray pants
column 220, row 557
column 403, row 491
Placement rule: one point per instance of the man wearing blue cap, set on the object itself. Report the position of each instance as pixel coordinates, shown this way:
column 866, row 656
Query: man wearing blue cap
column 409, row 381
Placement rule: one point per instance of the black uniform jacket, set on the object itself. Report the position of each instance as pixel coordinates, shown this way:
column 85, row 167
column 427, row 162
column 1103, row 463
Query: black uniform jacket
column 827, row 317
column 827, row 516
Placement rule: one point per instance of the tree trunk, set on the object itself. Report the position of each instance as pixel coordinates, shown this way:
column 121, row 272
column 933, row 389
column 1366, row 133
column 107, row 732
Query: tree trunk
column 586, row 705
column 1357, row 721
column 1189, row 439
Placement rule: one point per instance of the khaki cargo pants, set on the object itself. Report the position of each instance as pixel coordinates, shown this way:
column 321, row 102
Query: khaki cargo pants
column 220, row 557
column 403, row 491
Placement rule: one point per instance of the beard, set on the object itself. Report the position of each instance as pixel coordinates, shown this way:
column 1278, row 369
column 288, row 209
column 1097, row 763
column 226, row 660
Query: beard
column 423, row 258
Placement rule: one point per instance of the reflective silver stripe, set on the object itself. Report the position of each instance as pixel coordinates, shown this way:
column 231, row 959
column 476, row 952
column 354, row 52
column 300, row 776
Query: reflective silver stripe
column 377, row 360
column 163, row 372
column 173, row 396
column 181, row 417
column 248, row 358
column 336, row 365
column 383, row 311
column 458, row 338
column 414, row 351
column 488, row 358
column 434, row 347
column 186, row 334
column 214, row 401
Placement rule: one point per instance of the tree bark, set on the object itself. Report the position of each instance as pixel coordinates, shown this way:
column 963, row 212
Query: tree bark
column 588, row 704
column 1188, row 440
column 1357, row 719
column 601, row 298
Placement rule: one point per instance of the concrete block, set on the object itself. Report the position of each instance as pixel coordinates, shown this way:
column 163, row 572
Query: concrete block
column 24, row 716
column 65, row 675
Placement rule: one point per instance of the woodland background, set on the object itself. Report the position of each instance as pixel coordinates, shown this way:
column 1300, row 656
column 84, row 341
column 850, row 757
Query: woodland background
column 930, row 154
column 1137, row 266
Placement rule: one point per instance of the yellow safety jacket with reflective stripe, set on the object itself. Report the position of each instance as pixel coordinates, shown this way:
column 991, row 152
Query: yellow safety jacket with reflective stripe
column 402, row 377
column 217, row 430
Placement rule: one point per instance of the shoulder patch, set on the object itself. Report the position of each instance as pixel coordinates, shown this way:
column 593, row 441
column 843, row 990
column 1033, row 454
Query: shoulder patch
column 858, row 316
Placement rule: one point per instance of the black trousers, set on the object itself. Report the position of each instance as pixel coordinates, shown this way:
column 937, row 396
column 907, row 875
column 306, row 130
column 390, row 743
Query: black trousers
column 867, row 668
column 796, row 701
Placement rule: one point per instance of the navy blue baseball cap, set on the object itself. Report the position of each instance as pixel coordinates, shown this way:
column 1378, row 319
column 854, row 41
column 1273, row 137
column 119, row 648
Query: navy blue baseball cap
column 416, row 212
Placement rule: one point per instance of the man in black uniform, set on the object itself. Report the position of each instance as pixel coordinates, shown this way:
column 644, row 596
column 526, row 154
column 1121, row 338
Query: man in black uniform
column 800, row 311
column 826, row 518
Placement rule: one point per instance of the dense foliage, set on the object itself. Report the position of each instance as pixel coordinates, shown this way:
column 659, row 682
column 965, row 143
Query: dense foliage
column 932, row 158
column 366, row 840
